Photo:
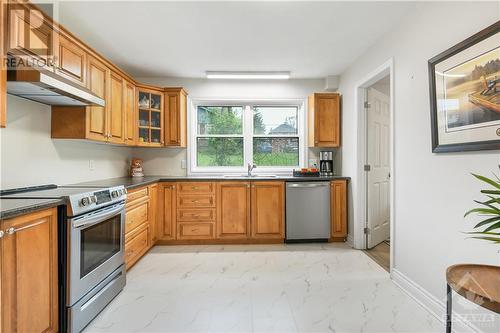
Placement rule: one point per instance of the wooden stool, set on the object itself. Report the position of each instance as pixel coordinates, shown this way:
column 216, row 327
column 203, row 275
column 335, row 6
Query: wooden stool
column 482, row 282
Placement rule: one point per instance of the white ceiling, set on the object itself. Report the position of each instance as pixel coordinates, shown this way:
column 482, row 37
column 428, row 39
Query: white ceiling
column 185, row 39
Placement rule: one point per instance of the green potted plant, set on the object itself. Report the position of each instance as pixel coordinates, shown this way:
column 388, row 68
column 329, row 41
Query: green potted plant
column 489, row 228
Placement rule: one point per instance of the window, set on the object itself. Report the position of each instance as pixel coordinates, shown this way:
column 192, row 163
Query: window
column 228, row 136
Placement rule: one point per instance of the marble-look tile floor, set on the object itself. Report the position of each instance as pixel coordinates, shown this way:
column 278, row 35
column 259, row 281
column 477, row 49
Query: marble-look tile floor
column 261, row 288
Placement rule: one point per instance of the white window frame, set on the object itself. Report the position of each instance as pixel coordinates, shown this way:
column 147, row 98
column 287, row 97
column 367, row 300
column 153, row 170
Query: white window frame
column 247, row 123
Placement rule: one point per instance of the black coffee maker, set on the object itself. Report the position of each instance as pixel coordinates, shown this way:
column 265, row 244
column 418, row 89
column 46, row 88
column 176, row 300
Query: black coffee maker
column 326, row 163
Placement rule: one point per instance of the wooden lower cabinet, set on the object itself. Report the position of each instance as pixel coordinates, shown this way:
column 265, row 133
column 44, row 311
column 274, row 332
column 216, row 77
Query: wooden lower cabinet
column 166, row 221
column 136, row 245
column 338, row 197
column 195, row 230
column 268, row 209
column 140, row 216
column 153, row 190
column 233, row 210
column 29, row 273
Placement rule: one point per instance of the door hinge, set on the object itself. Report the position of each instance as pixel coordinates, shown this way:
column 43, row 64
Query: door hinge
column 367, row 167
column 367, row 105
column 366, row 230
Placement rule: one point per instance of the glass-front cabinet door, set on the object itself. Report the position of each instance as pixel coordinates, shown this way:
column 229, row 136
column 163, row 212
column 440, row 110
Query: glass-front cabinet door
column 150, row 122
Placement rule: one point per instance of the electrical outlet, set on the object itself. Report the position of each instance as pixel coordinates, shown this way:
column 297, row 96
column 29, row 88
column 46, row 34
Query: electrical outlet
column 312, row 162
column 183, row 164
column 91, row 165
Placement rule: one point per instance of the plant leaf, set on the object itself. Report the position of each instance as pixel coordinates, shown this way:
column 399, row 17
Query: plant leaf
column 483, row 211
column 490, row 192
column 486, row 203
column 487, row 221
column 492, row 239
column 487, row 180
column 493, row 227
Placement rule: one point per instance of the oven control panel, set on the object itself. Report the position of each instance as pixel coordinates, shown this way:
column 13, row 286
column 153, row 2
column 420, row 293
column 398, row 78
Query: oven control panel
column 87, row 201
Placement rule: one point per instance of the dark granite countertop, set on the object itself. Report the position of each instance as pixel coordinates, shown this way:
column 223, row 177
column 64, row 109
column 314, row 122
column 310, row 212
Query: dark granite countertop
column 133, row 182
column 15, row 207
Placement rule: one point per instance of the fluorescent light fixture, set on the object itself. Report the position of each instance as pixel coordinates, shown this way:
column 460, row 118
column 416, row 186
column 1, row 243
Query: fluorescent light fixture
column 248, row 75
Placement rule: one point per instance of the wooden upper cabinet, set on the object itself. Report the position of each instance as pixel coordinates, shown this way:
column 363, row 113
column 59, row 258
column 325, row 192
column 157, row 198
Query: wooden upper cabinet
column 72, row 61
column 130, row 114
column 324, row 120
column 268, row 209
column 175, row 119
column 338, row 197
column 29, row 32
column 115, row 109
column 96, row 115
column 29, row 281
column 233, row 210
column 149, row 115
column 166, row 219
column 3, row 69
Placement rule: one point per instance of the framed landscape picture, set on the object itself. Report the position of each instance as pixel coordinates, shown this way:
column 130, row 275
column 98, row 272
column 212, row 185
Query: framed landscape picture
column 464, row 84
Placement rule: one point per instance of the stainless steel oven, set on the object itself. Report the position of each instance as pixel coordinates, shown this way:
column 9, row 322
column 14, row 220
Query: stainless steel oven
column 94, row 269
column 95, row 248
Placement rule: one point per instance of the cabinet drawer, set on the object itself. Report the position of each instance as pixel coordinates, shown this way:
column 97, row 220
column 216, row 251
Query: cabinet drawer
column 196, row 230
column 196, row 187
column 137, row 194
column 136, row 246
column 135, row 216
column 207, row 214
column 195, row 201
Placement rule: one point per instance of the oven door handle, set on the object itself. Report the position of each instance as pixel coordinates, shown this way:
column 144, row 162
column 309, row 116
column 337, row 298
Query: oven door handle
column 97, row 217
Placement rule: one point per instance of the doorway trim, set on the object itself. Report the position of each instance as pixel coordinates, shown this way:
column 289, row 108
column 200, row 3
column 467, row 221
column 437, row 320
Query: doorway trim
column 387, row 68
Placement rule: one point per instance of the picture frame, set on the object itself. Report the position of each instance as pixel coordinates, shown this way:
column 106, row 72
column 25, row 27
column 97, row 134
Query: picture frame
column 464, row 86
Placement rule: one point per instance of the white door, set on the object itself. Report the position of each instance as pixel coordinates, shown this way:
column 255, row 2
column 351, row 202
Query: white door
column 378, row 157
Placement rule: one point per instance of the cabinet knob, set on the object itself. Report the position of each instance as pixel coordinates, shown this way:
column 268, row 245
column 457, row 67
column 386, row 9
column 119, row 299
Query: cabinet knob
column 173, row 187
column 10, row 231
column 2, row 233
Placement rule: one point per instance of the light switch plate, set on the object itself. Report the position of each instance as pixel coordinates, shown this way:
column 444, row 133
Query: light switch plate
column 183, row 164
column 91, row 165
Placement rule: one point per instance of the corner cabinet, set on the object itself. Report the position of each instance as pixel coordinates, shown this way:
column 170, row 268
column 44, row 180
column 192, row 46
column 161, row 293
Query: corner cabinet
column 175, row 119
column 166, row 220
column 149, row 117
column 324, row 120
column 29, row 273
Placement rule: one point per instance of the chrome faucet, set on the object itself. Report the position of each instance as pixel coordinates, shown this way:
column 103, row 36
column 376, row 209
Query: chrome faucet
column 250, row 167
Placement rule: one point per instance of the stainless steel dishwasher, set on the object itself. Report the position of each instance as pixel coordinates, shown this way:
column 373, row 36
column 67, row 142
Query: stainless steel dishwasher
column 307, row 211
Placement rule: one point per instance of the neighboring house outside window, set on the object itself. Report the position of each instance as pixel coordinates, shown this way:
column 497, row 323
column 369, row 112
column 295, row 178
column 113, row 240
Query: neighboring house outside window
column 227, row 136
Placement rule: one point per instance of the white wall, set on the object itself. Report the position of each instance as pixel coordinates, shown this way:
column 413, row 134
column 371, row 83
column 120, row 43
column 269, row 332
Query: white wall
column 30, row 157
column 168, row 161
column 432, row 191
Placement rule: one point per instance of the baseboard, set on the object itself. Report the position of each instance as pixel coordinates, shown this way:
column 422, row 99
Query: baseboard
column 430, row 303
column 350, row 240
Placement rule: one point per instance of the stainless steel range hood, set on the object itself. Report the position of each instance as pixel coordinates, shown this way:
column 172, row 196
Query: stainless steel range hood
column 48, row 88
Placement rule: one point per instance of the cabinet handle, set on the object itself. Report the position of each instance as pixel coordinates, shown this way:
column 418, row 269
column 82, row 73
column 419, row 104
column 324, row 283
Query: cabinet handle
column 194, row 201
column 13, row 230
column 173, row 187
column 194, row 187
column 1, row 233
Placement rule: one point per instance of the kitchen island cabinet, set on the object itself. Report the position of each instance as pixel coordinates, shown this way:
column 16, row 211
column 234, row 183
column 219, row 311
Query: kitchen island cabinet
column 28, row 270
